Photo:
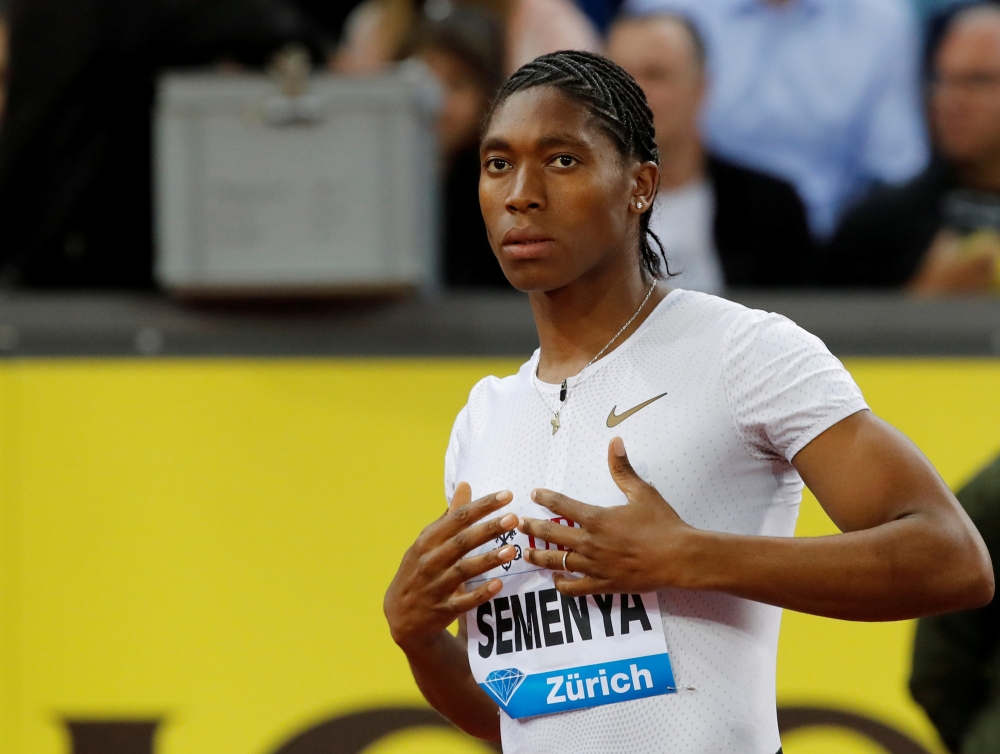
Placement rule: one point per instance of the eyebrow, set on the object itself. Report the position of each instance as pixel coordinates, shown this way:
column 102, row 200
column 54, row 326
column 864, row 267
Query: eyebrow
column 496, row 144
column 562, row 140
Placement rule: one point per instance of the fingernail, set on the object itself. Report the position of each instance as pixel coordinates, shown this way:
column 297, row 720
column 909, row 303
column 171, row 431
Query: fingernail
column 618, row 447
column 506, row 553
column 527, row 555
column 494, row 587
column 509, row 521
column 505, row 496
column 533, row 493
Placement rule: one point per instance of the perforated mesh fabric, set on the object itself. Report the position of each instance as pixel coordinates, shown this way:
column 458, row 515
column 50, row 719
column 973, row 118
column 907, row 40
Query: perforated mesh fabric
column 745, row 391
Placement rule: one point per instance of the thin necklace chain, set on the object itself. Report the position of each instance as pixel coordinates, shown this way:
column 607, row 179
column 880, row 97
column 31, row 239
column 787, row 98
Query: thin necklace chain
column 564, row 392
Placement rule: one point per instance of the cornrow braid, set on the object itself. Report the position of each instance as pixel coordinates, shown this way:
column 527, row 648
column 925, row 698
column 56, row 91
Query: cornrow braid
column 618, row 104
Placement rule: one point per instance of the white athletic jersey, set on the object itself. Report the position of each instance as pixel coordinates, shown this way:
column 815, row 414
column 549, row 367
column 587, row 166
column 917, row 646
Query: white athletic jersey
column 745, row 391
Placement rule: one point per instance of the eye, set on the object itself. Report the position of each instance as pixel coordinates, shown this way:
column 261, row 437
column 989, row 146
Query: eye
column 497, row 165
column 564, row 161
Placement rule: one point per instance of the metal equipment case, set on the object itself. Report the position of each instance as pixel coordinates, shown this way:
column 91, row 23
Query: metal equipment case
column 331, row 190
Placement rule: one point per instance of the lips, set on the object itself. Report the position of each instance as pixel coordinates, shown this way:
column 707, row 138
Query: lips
column 526, row 243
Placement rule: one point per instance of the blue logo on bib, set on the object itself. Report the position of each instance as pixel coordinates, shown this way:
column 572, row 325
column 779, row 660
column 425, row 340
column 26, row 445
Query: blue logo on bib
column 503, row 683
column 581, row 687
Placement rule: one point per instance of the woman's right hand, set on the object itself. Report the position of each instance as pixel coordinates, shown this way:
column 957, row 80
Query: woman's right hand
column 428, row 592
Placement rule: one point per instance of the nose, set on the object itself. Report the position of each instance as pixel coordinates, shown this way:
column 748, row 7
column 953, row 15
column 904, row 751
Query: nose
column 527, row 191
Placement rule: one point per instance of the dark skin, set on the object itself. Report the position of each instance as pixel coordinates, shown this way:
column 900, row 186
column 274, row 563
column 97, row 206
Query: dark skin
column 907, row 548
column 550, row 171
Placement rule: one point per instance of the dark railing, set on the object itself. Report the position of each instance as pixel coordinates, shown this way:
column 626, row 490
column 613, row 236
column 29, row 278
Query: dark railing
column 487, row 324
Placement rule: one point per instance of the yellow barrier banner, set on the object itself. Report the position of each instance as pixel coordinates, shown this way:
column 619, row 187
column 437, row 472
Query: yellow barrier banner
column 193, row 556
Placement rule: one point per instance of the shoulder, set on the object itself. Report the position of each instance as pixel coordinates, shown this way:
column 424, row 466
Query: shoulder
column 916, row 194
column 488, row 396
column 783, row 386
column 767, row 351
column 767, row 334
column 895, row 212
column 693, row 315
column 701, row 314
column 881, row 34
column 729, row 333
column 741, row 182
column 492, row 392
column 724, row 171
column 761, row 228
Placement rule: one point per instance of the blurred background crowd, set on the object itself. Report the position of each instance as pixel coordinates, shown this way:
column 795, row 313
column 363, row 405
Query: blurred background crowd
column 805, row 143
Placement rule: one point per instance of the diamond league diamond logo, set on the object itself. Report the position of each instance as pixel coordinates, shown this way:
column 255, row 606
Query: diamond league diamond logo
column 503, row 683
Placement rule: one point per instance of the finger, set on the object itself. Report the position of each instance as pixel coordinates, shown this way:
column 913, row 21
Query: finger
column 622, row 472
column 463, row 602
column 462, row 496
column 466, row 513
column 565, row 536
column 558, row 503
column 469, row 568
column 575, row 587
column 475, row 536
column 554, row 559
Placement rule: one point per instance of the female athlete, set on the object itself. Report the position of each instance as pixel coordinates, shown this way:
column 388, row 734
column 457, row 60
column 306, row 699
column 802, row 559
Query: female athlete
column 646, row 466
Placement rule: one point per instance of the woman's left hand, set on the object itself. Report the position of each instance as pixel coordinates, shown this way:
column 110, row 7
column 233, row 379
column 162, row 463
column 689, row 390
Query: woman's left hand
column 638, row 547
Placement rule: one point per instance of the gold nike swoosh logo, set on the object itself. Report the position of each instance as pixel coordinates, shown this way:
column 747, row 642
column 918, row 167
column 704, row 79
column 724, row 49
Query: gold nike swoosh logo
column 614, row 421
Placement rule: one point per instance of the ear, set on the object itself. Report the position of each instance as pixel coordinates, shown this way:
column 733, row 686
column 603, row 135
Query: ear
column 646, row 183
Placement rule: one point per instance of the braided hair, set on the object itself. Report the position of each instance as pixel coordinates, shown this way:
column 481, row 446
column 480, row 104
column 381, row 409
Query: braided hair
column 619, row 105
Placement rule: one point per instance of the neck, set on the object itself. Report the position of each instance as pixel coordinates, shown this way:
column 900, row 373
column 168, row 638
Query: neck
column 575, row 322
column 983, row 175
column 681, row 162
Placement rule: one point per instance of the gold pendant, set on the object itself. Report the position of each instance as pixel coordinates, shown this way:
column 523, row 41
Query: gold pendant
column 555, row 423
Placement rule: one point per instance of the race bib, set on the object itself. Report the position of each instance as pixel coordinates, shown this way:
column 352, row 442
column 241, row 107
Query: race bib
column 536, row 651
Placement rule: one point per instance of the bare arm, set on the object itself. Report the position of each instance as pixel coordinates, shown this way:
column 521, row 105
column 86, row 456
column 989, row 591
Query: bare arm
column 907, row 549
column 441, row 670
column 427, row 595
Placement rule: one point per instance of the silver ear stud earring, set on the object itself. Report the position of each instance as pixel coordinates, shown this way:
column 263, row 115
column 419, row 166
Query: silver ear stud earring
column 638, row 205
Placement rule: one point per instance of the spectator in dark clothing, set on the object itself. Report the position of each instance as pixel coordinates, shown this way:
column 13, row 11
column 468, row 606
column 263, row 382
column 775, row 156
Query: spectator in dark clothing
column 761, row 231
column 939, row 233
column 75, row 149
column 464, row 50
column 956, row 657
column 721, row 224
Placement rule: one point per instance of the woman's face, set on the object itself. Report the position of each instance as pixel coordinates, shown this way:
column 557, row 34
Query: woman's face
column 557, row 196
